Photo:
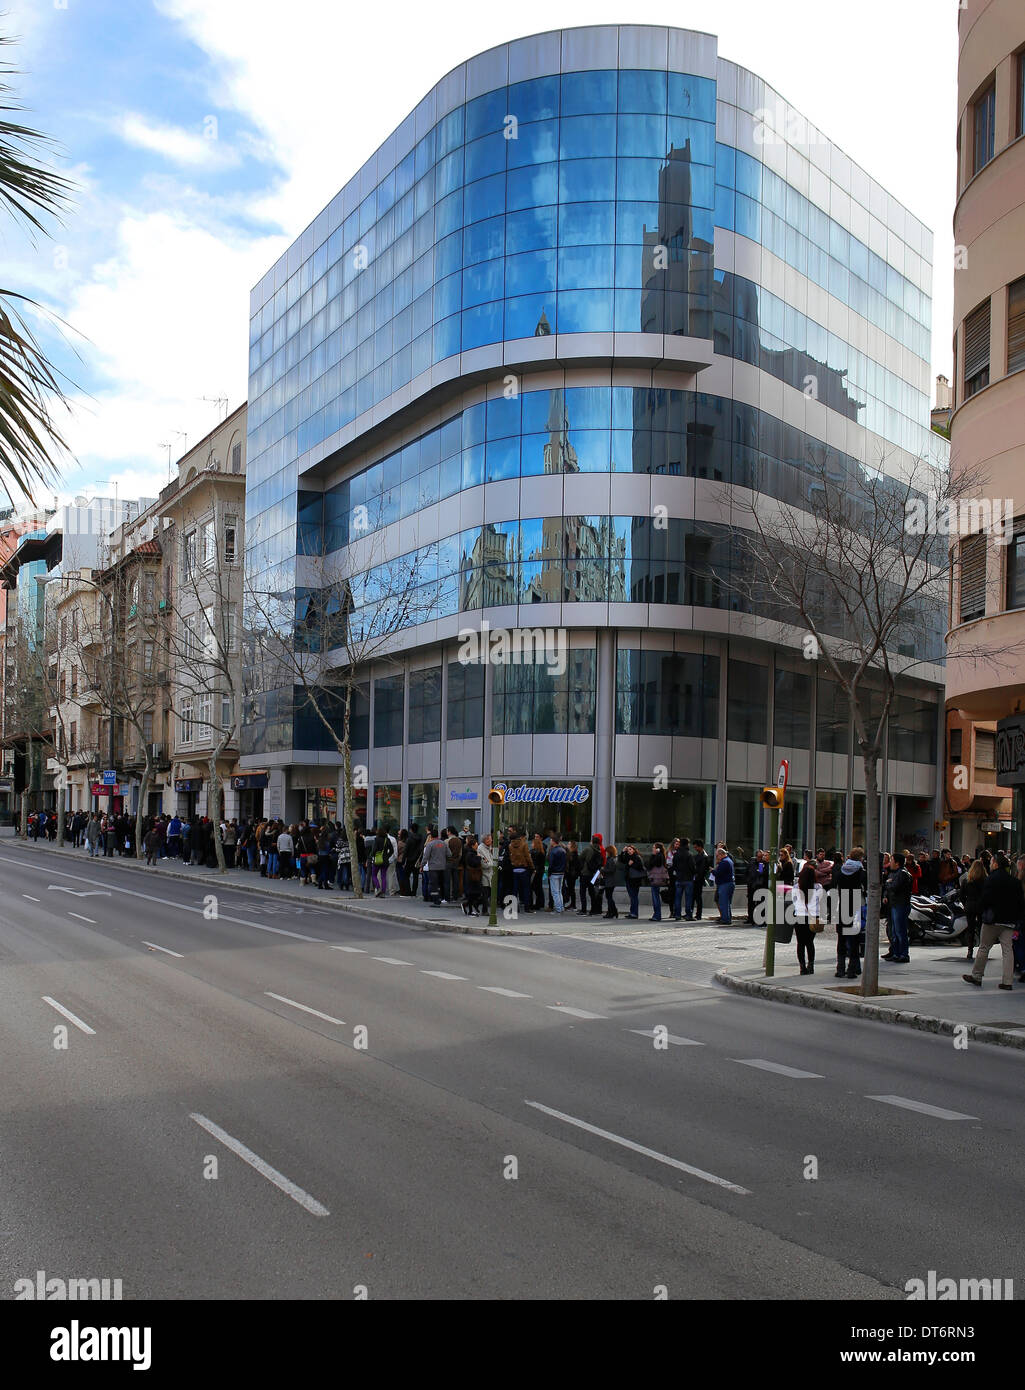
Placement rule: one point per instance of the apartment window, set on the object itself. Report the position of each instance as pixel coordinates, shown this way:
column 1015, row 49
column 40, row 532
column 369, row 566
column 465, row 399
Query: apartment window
column 227, row 714
column 147, row 728
column 1016, row 326
column 147, row 657
column 190, row 644
column 209, row 543
column 976, row 350
column 185, row 720
column 74, row 624
column 973, row 577
column 1019, row 96
column 956, row 744
column 73, row 743
column 1015, row 597
column 236, row 458
column 985, row 119
column 64, row 631
column 74, row 681
column 63, row 687
column 148, row 589
column 204, row 711
column 228, row 626
column 188, row 555
column 230, row 533
column 985, row 749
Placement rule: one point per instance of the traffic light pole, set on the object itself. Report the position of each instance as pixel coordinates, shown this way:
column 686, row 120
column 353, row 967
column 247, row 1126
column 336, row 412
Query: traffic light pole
column 493, row 914
column 770, row 924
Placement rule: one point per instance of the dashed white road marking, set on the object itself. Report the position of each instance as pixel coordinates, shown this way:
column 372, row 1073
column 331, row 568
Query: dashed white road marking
column 442, row 975
column 90, row 920
column 30, row 897
column 69, row 1015
column 508, row 993
column 576, row 1013
column 305, row 1008
column 390, row 960
column 778, row 1067
column 154, row 947
column 936, row 1111
column 670, row 1037
column 354, row 950
column 264, row 1169
column 641, row 1149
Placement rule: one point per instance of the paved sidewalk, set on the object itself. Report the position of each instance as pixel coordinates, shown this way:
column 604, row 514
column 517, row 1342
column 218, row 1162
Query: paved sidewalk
column 933, row 998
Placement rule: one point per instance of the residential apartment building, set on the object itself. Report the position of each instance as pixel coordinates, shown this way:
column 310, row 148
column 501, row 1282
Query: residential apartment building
column 596, row 277
column 985, row 696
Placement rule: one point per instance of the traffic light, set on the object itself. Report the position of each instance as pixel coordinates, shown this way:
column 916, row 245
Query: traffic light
column 772, row 798
column 496, row 796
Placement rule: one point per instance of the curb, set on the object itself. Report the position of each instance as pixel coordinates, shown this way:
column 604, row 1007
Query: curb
column 925, row 1023
column 351, row 907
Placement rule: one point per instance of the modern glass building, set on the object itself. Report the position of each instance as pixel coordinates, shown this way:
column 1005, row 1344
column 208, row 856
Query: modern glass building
column 595, row 280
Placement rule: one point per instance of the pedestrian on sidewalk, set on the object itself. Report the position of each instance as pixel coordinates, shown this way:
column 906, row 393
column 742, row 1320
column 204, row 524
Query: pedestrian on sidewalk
column 971, row 896
column 634, row 874
column 152, row 845
column 898, row 898
column 702, row 864
column 804, row 930
column 1003, row 906
column 608, row 878
column 851, row 894
column 725, row 884
column 658, row 878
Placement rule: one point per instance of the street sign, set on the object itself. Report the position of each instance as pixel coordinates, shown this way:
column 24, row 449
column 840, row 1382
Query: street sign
column 109, row 778
column 783, row 775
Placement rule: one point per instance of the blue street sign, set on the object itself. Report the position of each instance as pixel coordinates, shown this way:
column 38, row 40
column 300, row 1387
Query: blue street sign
column 109, row 778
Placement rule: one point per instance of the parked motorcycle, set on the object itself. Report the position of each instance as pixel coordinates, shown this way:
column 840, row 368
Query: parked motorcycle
column 936, row 919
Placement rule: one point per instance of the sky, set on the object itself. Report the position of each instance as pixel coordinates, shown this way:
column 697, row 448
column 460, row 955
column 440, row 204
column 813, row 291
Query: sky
column 204, row 135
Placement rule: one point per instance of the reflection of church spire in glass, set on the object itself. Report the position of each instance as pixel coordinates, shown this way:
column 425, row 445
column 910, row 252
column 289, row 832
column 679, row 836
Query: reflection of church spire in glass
column 543, row 328
column 560, row 455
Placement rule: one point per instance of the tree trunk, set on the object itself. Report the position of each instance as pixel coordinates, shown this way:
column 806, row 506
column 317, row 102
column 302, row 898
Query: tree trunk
column 23, row 832
column 870, row 970
column 215, row 792
column 140, row 810
column 350, row 823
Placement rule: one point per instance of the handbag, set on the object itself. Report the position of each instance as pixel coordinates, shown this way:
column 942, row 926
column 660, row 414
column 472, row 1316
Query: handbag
column 658, row 876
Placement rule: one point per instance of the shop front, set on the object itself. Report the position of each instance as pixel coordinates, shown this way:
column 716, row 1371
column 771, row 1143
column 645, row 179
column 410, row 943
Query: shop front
column 422, row 805
column 109, row 797
column 250, row 788
column 321, row 804
column 536, row 807
column 187, row 790
column 463, row 806
column 645, row 814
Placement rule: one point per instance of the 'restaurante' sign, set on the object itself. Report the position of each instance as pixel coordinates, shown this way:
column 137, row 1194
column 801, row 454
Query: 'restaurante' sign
column 554, row 795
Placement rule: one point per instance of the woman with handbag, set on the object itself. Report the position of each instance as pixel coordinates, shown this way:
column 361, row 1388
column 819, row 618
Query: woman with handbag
column 658, row 878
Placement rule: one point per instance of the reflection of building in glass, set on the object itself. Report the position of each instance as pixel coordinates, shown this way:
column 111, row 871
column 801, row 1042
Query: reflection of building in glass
column 623, row 261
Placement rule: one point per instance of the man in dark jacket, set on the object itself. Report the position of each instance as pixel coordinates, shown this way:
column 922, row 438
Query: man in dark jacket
column 683, row 881
column 1003, row 907
column 897, row 891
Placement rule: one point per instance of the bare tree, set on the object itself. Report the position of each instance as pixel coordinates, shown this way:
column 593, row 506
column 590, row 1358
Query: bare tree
column 857, row 575
column 321, row 639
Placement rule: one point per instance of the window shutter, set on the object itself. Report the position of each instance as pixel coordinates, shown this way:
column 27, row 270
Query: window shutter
column 1016, row 326
column 973, row 578
column 985, row 749
column 976, row 349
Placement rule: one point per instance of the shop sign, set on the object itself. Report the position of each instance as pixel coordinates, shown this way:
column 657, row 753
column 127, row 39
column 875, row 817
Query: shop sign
column 536, row 795
column 1011, row 751
column 462, row 796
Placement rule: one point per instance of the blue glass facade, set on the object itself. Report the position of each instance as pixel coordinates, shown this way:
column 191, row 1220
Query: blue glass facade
column 573, row 205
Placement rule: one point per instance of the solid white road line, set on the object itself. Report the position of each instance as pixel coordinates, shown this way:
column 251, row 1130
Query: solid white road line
column 154, row 947
column 779, row 1068
column 30, row 897
column 670, row 1037
column 508, row 993
column 640, row 1149
column 920, row 1106
column 264, row 1169
column 68, row 1015
column 90, row 920
column 390, row 960
column 577, row 1013
column 442, row 975
column 353, row 950
column 305, row 1008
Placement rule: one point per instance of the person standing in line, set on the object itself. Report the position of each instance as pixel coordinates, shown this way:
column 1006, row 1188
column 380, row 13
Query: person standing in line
column 608, row 879
column 93, row 835
column 725, row 884
column 537, row 874
column 488, row 865
column 473, row 875
column 658, row 878
column 851, row 895
column 572, row 875
column 437, row 858
column 702, row 864
column 522, row 867
column 803, row 898
column 557, row 860
column 1003, row 907
column 634, row 875
column 971, row 896
column 898, row 899
column 683, row 881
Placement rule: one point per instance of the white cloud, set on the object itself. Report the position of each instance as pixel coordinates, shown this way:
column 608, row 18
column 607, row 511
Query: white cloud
column 196, row 151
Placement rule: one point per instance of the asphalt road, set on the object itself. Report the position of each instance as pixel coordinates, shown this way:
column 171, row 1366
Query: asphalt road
column 510, row 1129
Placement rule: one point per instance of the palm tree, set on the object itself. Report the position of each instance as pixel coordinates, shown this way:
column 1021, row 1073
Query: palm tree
column 29, row 192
